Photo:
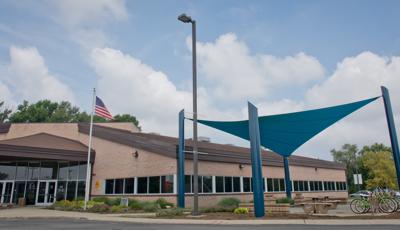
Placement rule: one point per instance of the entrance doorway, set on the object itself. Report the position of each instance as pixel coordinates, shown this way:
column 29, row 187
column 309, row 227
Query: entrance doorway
column 6, row 191
column 46, row 191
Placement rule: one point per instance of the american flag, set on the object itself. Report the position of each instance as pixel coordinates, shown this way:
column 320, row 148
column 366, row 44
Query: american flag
column 101, row 110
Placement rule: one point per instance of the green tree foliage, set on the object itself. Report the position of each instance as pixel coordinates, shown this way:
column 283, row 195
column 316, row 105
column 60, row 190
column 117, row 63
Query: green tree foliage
column 127, row 118
column 374, row 162
column 348, row 156
column 48, row 111
column 381, row 170
column 4, row 113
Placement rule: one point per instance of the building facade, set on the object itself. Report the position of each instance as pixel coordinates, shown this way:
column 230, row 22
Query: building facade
column 45, row 162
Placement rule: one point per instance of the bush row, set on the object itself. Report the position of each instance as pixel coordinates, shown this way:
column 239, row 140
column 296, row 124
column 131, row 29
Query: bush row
column 105, row 204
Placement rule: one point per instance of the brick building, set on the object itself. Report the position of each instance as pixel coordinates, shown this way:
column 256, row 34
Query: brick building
column 44, row 162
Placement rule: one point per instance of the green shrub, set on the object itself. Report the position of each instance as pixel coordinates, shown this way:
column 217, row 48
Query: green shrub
column 217, row 209
column 108, row 201
column 241, row 211
column 67, row 205
column 113, row 201
column 170, row 212
column 117, row 208
column 285, row 200
column 101, row 208
column 135, row 205
column 229, row 202
column 164, row 203
column 149, row 206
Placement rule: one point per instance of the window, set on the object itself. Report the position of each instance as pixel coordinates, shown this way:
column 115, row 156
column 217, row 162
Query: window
column 219, row 182
column 228, row 184
column 82, row 170
column 188, row 184
column 73, row 171
column 7, row 171
column 281, row 184
column 63, row 171
column 61, row 189
column 276, row 184
column 207, row 184
column 270, row 185
column 81, row 190
column 301, row 186
column 312, row 188
column 33, row 170
column 119, row 186
column 154, row 184
column 326, row 186
column 142, row 185
column 296, row 185
column 71, row 190
column 110, row 186
column 236, row 184
column 246, row 184
column 48, row 170
column 167, row 184
column 129, row 185
column 320, row 188
column 306, row 186
column 22, row 170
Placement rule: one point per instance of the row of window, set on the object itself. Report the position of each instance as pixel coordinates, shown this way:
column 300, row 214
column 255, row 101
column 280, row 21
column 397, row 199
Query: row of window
column 223, row 184
column 145, row 185
column 43, row 170
column 301, row 186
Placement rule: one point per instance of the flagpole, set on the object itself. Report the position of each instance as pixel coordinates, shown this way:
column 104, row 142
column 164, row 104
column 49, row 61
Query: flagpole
column 89, row 166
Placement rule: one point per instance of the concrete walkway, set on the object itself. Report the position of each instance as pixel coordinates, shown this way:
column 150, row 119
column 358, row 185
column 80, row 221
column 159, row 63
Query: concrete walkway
column 32, row 212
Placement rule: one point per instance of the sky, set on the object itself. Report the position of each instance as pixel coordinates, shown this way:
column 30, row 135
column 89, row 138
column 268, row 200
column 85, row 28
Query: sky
column 283, row 56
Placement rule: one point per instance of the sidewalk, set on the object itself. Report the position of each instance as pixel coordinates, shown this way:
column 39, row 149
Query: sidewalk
column 32, row 212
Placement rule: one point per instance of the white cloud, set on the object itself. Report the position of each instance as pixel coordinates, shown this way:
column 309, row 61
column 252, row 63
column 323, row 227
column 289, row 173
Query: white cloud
column 131, row 86
column 27, row 77
column 84, row 19
column 234, row 74
column 77, row 13
column 356, row 78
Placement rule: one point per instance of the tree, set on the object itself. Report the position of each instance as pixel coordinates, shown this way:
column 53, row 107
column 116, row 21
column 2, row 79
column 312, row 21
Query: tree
column 48, row 111
column 348, row 156
column 4, row 113
column 127, row 118
column 381, row 169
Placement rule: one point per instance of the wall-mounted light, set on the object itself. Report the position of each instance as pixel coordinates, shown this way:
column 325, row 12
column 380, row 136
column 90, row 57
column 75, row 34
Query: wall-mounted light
column 135, row 154
column 241, row 166
column 316, row 169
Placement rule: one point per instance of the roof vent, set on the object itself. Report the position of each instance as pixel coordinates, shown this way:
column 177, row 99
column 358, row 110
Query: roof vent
column 152, row 133
column 204, row 139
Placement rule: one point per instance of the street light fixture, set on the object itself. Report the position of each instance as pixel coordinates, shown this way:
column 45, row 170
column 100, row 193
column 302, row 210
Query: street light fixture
column 187, row 19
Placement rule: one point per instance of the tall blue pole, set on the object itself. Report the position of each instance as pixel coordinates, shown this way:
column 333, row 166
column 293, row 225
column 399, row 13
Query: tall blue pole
column 288, row 182
column 181, row 160
column 254, row 134
column 392, row 131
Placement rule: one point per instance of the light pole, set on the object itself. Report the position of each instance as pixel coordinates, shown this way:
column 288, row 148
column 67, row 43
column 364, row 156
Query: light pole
column 187, row 19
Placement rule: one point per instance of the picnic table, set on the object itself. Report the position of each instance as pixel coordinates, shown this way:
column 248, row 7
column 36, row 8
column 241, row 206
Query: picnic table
column 316, row 207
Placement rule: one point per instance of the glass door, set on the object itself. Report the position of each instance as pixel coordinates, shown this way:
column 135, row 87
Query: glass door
column 6, row 191
column 46, row 191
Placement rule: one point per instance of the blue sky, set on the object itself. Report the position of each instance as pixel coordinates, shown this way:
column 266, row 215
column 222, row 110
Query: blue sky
column 282, row 55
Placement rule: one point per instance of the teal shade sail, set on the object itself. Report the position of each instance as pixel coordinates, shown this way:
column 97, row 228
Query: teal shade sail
column 284, row 133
